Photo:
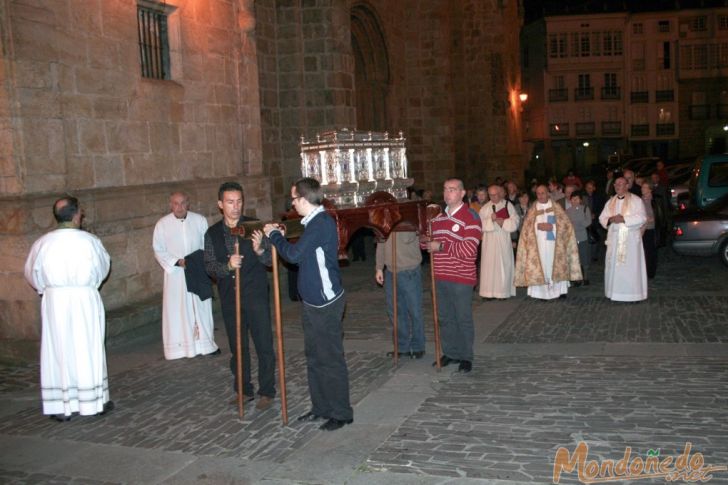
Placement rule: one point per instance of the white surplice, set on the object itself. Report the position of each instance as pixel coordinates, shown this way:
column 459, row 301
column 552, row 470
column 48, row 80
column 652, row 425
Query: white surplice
column 625, row 273
column 546, row 249
column 187, row 325
column 496, row 253
column 67, row 266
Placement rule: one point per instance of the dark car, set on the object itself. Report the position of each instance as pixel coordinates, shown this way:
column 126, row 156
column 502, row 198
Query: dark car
column 703, row 232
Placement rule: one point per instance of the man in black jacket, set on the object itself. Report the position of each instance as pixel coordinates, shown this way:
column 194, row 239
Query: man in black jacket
column 220, row 263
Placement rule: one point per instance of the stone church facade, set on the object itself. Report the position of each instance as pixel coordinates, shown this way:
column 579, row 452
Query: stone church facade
column 243, row 81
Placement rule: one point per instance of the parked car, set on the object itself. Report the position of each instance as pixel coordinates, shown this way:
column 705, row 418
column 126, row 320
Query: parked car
column 703, row 231
column 709, row 179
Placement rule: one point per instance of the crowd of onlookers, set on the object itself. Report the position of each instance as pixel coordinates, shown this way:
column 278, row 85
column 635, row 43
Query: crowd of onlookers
column 583, row 202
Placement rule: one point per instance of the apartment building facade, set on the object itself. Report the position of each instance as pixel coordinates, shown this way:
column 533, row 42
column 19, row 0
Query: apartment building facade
column 643, row 84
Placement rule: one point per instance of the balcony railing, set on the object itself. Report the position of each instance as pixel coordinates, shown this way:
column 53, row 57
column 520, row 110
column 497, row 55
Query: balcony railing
column 611, row 128
column 556, row 95
column 699, row 111
column 665, row 129
column 559, row 129
column 587, row 128
column 611, row 92
column 583, row 94
column 664, row 95
column 640, row 130
column 721, row 111
column 640, row 97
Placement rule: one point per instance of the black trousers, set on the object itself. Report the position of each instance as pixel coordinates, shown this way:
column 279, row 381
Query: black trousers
column 256, row 323
column 328, row 375
column 649, row 243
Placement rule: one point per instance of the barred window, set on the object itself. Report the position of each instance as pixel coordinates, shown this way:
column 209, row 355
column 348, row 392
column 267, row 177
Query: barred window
column 153, row 42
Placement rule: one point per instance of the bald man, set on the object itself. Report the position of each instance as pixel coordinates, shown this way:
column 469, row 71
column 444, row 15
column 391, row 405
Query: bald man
column 187, row 325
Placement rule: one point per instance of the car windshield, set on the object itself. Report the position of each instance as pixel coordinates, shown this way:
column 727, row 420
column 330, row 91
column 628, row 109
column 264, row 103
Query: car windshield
column 718, row 205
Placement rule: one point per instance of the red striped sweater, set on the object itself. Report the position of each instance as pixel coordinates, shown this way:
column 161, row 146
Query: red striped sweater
column 460, row 234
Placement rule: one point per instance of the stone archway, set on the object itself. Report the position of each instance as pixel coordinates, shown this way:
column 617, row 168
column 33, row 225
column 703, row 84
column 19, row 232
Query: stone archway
column 371, row 69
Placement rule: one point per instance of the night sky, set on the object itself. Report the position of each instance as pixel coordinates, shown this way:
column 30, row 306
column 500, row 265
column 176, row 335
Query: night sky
column 535, row 9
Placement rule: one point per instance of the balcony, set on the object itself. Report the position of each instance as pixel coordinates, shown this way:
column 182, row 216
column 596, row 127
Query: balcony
column 583, row 94
column 611, row 92
column 583, row 129
column 611, row 128
column 640, row 130
column 556, row 95
column 699, row 111
column 721, row 111
column 559, row 129
column 665, row 129
column 664, row 95
column 639, row 97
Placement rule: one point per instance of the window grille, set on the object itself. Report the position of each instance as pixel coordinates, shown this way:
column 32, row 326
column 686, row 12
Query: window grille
column 153, row 43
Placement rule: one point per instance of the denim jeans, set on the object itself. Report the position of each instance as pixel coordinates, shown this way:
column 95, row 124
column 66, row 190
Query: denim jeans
column 455, row 313
column 410, row 325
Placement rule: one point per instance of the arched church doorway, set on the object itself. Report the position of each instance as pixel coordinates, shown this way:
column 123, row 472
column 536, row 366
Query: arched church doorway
column 371, row 69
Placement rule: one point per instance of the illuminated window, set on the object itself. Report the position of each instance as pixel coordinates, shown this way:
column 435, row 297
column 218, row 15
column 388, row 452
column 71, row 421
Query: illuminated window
column 699, row 24
column 722, row 22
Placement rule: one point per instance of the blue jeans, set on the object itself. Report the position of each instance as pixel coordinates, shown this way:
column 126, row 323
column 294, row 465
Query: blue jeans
column 455, row 313
column 410, row 325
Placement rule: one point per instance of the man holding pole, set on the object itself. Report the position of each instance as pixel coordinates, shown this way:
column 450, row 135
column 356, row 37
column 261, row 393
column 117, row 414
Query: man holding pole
column 319, row 284
column 454, row 239
column 406, row 265
column 222, row 259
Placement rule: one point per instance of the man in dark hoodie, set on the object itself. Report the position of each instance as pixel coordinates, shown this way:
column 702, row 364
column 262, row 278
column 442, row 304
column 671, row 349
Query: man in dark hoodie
column 319, row 285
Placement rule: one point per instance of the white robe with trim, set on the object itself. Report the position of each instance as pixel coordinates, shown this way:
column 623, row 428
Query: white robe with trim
column 67, row 266
column 546, row 250
column 625, row 273
column 187, row 324
column 496, row 253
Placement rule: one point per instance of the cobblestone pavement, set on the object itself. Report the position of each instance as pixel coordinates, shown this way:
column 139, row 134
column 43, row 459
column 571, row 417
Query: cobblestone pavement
column 509, row 416
column 502, row 422
column 156, row 410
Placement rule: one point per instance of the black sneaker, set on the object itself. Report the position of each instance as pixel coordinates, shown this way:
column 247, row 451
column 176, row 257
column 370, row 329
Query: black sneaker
column 418, row 354
column 465, row 366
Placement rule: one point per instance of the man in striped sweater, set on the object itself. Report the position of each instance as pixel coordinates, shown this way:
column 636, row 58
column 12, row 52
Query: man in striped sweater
column 455, row 235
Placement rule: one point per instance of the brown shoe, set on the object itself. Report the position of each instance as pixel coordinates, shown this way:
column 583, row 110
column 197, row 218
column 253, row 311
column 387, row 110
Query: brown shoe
column 246, row 398
column 264, row 402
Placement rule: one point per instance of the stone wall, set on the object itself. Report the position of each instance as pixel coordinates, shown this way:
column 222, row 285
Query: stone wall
column 76, row 116
column 306, row 80
column 248, row 78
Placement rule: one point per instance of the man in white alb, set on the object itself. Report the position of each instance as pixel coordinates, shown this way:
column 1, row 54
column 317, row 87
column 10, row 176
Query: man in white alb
column 187, row 325
column 500, row 219
column 625, row 273
column 67, row 266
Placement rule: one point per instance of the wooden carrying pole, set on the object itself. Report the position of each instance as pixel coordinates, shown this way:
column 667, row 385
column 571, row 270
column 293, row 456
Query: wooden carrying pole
column 434, row 306
column 395, row 331
column 238, row 334
column 279, row 337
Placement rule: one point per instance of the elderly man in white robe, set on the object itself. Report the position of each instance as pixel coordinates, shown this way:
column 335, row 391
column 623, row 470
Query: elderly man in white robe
column 548, row 256
column 499, row 219
column 66, row 266
column 187, row 324
column 625, row 273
